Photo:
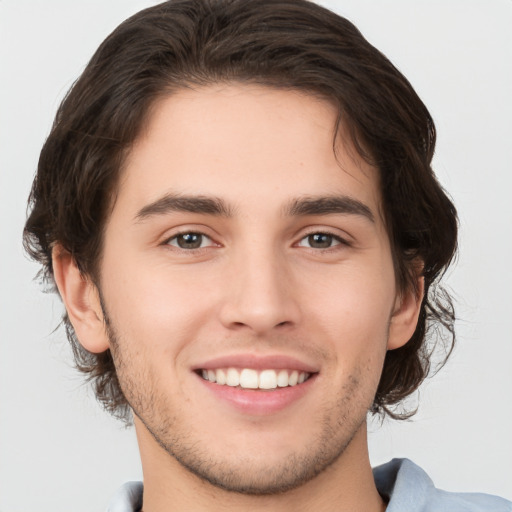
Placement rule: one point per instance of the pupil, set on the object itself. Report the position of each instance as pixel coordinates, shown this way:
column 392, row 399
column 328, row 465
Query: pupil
column 190, row 241
column 320, row 240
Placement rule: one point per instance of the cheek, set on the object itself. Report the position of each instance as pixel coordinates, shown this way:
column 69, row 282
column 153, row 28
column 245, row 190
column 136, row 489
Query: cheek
column 156, row 308
column 353, row 313
column 352, row 300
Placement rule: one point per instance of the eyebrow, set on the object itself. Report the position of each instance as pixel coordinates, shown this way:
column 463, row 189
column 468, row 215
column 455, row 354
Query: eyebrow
column 206, row 205
column 182, row 203
column 327, row 205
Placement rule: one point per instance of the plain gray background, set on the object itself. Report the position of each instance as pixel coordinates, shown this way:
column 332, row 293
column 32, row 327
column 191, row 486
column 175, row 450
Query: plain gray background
column 60, row 452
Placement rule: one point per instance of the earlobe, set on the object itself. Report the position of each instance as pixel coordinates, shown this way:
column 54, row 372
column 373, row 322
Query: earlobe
column 405, row 316
column 82, row 302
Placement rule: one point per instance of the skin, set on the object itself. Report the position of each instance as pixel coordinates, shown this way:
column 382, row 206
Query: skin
column 259, row 285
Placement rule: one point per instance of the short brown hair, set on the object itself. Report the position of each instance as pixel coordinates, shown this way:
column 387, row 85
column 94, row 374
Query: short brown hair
column 290, row 44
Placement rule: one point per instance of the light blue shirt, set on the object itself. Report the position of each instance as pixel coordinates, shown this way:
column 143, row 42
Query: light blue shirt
column 409, row 489
column 406, row 487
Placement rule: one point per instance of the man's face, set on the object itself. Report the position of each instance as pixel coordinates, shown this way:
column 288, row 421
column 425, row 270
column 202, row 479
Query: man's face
column 240, row 249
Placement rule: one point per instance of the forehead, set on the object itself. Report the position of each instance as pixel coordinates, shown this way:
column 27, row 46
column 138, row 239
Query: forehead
column 245, row 143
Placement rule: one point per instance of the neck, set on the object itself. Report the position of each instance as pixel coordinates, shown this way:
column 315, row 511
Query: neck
column 347, row 485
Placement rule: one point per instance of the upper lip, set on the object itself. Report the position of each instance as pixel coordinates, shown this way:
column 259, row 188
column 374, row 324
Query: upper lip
column 257, row 362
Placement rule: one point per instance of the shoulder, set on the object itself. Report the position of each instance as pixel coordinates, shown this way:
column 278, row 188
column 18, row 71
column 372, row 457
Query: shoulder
column 128, row 498
column 409, row 488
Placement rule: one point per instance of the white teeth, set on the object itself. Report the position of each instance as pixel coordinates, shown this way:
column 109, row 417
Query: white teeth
column 249, row 378
column 282, row 379
column 221, row 377
column 232, row 377
column 268, row 379
column 293, row 378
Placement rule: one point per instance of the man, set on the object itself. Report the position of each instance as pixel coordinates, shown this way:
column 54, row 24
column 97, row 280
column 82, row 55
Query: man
column 237, row 206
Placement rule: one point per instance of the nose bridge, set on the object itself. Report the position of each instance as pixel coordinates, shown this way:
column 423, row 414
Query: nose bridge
column 258, row 295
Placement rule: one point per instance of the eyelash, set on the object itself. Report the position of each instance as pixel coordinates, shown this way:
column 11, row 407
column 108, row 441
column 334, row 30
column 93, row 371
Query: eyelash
column 183, row 233
column 335, row 238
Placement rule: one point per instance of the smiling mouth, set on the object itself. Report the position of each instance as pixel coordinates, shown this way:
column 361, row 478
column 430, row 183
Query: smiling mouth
column 249, row 378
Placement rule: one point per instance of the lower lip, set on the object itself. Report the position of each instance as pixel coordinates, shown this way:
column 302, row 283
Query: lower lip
column 259, row 402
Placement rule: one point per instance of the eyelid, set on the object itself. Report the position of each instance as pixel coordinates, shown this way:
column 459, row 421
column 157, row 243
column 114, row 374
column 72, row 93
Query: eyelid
column 175, row 237
column 166, row 240
column 342, row 239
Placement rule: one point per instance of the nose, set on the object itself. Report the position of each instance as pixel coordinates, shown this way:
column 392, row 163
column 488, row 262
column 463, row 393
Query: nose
column 259, row 294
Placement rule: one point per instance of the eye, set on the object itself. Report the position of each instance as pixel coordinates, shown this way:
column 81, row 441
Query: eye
column 320, row 241
column 190, row 240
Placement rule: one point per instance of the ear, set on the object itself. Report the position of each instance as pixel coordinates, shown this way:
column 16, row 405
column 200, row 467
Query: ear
column 405, row 315
column 82, row 301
